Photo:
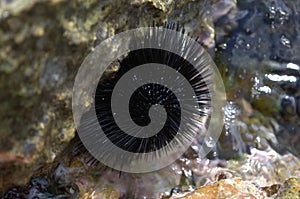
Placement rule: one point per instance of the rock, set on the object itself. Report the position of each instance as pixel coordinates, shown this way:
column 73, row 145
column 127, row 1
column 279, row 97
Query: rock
column 228, row 188
column 289, row 189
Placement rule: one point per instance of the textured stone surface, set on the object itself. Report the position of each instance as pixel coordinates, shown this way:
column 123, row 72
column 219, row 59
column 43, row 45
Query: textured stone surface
column 43, row 43
column 228, row 188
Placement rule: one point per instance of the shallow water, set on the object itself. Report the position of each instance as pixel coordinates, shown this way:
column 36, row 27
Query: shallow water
column 255, row 44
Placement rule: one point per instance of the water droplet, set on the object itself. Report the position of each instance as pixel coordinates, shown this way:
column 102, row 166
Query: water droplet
column 248, row 46
column 285, row 41
column 210, row 142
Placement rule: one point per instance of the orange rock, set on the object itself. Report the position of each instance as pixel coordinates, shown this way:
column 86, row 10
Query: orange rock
column 223, row 189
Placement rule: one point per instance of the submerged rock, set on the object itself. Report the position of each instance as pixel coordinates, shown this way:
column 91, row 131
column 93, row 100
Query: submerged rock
column 290, row 189
column 239, row 189
column 228, row 188
column 43, row 45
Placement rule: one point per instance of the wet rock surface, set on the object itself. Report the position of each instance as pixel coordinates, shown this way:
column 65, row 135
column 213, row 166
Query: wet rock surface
column 237, row 188
column 255, row 46
column 262, row 50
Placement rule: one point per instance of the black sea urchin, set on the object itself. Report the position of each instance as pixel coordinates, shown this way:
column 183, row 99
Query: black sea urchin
column 152, row 106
